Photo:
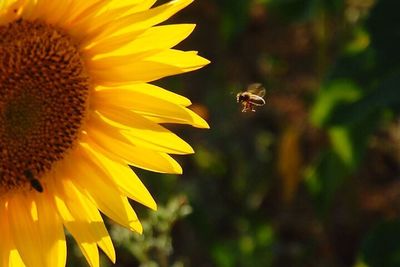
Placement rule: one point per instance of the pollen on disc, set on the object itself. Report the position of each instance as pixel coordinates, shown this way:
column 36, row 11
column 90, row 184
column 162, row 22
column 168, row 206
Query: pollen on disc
column 43, row 94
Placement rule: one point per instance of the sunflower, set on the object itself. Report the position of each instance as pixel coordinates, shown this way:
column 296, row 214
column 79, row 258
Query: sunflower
column 77, row 111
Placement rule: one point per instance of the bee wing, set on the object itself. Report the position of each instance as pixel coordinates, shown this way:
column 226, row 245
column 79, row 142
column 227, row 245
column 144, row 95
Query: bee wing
column 257, row 100
column 262, row 92
column 256, row 88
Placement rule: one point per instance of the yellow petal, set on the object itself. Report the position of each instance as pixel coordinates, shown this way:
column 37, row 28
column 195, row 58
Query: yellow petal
column 139, row 72
column 35, row 9
column 153, row 39
column 15, row 259
column 83, row 220
column 108, row 45
column 35, row 225
column 196, row 120
column 87, row 13
column 153, row 67
column 108, row 199
column 56, row 11
column 132, row 5
column 115, row 9
column 139, row 20
column 5, row 246
column 75, row 12
column 90, row 252
column 152, row 90
column 126, row 153
column 51, row 232
column 28, row 10
column 7, row 15
column 112, row 11
column 147, row 105
column 185, row 60
column 124, row 177
column 144, row 133
column 47, row 10
column 97, row 123
column 9, row 256
column 24, row 229
column 77, row 230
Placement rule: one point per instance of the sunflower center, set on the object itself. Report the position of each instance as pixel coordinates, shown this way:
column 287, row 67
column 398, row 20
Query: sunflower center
column 43, row 94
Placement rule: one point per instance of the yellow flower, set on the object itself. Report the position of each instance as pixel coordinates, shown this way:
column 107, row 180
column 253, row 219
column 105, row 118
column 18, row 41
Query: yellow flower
column 76, row 109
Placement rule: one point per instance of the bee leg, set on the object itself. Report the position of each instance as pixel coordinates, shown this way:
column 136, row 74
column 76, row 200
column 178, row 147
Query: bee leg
column 244, row 107
column 251, row 107
column 247, row 107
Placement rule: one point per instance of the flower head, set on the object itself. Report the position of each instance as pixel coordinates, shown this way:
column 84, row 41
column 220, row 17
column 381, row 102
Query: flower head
column 76, row 111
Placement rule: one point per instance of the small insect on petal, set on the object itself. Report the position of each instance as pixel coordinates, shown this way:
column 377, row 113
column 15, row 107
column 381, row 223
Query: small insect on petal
column 35, row 183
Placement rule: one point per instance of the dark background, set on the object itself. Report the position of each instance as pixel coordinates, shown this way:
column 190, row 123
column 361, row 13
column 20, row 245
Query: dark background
column 310, row 179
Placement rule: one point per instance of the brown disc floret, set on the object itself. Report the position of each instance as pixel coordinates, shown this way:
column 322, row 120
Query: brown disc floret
column 43, row 95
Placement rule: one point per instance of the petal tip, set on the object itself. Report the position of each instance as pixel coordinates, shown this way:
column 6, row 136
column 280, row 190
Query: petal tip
column 203, row 125
column 153, row 206
column 137, row 227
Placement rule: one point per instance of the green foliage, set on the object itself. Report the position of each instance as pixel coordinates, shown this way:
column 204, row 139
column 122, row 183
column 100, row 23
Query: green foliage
column 324, row 178
column 254, row 248
column 335, row 94
column 352, row 103
column 154, row 247
column 234, row 16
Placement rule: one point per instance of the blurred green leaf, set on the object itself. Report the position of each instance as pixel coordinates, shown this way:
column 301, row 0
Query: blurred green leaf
column 361, row 40
column 265, row 235
column 360, row 264
column 254, row 247
column 234, row 17
column 324, row 178
column 246, row 244
column 349, row 142
column 342, row 144
column 209, row 160
column 330, row 96
column 224, row 255
column 347, row 148
column 383, row 97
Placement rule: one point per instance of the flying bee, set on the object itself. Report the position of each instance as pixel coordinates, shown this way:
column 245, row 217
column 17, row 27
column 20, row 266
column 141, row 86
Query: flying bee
column 251, row 98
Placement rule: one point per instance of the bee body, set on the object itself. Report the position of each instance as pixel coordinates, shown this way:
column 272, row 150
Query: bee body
column 252, row 97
